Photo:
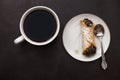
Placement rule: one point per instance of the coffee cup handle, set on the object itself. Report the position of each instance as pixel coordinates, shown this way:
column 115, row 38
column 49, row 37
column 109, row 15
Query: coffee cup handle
column 19, row 40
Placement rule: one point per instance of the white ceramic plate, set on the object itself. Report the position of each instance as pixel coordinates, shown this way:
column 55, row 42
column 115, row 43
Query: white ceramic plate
column 72, row 37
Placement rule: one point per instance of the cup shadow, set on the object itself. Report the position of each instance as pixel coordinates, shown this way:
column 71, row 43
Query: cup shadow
column 46, row 50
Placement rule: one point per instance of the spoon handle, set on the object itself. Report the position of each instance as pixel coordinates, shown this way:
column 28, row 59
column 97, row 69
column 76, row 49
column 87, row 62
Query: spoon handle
column 104, row 63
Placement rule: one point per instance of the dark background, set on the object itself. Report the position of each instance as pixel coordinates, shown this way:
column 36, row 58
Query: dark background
column 52, row 62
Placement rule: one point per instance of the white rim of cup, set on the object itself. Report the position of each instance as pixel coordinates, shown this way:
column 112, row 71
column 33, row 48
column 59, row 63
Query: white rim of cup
column 39, row 8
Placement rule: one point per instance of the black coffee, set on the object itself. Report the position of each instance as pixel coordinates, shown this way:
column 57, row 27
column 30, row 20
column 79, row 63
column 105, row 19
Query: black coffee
column 40, row 25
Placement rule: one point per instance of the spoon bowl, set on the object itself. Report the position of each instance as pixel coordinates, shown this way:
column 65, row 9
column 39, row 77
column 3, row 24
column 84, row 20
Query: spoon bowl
column 99, row 30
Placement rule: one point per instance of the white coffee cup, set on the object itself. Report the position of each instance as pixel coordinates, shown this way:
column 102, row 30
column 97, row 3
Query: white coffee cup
column 24, row 36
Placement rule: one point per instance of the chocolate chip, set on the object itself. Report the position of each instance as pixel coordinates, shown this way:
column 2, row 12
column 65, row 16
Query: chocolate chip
column 88, row 22
column 90, row 51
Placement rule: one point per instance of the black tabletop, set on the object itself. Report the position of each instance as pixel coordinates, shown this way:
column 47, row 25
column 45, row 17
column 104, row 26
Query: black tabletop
column 51, row 62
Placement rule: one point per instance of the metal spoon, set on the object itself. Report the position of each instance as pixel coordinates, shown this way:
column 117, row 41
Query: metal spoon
column 99, row 33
